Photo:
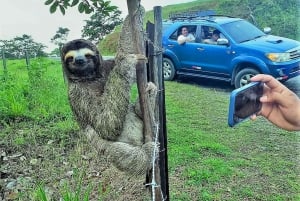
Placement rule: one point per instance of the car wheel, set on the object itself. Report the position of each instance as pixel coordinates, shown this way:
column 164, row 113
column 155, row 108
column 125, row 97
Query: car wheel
column 168, row 69
column 243, row 77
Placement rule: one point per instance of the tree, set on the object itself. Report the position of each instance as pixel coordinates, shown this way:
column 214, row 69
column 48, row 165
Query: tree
column 20, row 45
column 60, row 37
column 55, row 52
column 7, row 46
column 83, row 6
column 100, row 25
column 280, row 15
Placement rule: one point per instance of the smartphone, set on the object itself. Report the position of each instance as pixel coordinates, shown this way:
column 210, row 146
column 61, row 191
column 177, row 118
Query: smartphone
column 245, row 102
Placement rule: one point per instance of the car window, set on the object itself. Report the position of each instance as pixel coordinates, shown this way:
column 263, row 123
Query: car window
column 173, row 36
column 242, row 31
column 177, row 32
column 210, row 35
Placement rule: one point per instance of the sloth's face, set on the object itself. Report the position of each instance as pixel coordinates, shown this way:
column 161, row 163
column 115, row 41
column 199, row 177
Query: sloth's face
column 81, row 62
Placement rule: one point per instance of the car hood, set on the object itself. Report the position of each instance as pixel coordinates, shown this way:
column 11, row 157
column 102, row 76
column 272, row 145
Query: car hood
column 270, row 43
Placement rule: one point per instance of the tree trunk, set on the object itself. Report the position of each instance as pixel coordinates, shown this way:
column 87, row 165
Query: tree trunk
column 136, row 20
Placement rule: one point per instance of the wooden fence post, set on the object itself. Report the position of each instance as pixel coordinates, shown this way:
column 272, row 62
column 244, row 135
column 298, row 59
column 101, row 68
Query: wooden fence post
column 159, row 192
column 152, row 76
column 155, row 72
column 157, row 64
column 27, row 59
column 4, row 61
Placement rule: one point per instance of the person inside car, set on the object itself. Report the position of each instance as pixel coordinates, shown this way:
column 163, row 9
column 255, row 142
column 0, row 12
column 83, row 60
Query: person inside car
column 214, row 38
column 185, row 36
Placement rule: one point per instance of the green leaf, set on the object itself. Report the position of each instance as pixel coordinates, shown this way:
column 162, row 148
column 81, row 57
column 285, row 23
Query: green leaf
column 66, row 3
column 75, row 2
column 109, row 9
column 88, row 10
column 62, row 9
column 95, row 4
column 105, row 13
column 53, row 7
column 113, row 7
column 106, row 3
column 81, row 7
column 48, row 2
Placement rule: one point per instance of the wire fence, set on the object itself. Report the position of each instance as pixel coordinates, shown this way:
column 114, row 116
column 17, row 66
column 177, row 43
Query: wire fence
column 27, row 55
column 158, row 183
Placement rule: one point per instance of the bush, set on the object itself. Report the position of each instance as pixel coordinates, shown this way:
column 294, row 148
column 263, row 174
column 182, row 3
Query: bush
column 108, row 46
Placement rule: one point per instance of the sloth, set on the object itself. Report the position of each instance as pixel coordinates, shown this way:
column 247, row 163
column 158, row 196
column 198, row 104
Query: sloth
column 99, row 96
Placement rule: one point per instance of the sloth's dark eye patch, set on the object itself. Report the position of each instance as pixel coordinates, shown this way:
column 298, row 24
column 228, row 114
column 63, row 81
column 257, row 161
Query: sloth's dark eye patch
column 88, row 56
column 69, row 59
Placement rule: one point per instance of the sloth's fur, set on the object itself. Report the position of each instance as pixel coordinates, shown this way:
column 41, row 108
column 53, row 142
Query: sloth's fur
column 99, row 95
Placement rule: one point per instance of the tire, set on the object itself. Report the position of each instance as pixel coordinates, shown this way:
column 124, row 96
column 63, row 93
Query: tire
column 168, row 69
column 243, row 77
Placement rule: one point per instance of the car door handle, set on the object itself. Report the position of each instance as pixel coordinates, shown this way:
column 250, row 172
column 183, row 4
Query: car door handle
column 170, row 45
column 200, row 48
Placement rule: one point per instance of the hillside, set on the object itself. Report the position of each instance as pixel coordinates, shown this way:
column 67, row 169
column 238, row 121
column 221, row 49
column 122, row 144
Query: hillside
column 281, row 15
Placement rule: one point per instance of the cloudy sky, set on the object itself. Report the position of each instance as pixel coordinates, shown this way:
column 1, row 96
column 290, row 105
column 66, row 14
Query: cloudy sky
column 32, row 17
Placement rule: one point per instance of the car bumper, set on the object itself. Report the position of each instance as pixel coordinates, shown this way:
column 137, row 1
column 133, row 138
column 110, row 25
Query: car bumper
column 286, row 71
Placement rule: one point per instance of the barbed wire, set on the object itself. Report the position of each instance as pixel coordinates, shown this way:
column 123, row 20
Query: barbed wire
column 157, row 50
column 155, row 156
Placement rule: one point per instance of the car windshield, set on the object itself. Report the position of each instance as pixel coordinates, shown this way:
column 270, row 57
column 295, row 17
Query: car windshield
column 242, row 31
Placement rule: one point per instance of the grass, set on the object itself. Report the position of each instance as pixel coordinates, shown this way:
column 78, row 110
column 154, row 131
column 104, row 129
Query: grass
column 250, row 162
column 36, row 92
column 43, row 155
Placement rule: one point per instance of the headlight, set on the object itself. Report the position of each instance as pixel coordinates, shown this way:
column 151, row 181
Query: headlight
column 278, row 57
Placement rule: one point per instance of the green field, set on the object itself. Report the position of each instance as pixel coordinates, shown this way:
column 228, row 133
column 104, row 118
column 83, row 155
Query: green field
column 41, row 153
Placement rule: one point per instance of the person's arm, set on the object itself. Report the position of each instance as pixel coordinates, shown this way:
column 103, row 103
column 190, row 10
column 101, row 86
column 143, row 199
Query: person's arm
column 279, row 104
column 181, row 39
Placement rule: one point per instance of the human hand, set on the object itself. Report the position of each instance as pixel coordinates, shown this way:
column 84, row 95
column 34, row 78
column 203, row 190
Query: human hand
column 279, row 104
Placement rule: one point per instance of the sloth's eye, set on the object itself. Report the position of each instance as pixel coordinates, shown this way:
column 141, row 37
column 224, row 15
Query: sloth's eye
column 88, row 56
column 69, row 59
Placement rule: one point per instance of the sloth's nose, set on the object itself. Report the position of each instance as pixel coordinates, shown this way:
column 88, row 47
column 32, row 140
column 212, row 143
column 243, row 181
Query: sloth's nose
column 79, row 60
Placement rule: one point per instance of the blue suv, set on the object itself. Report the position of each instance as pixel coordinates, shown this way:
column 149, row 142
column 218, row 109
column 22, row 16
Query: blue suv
column 241, row 51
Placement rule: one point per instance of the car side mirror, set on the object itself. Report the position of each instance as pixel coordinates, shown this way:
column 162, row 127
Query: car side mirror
column 222, row 41
column 267, row 30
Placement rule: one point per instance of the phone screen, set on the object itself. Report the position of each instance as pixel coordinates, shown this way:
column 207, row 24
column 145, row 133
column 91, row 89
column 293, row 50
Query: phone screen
column 245, row 102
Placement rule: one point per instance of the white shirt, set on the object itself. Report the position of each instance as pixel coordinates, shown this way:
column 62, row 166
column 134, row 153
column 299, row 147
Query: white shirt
column 182, row 39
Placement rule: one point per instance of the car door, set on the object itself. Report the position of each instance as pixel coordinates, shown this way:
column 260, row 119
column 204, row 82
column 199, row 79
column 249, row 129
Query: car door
column 181, row 51
column 209, row 59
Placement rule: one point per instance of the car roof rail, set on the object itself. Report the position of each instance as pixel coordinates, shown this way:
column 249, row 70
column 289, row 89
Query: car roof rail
column 194, row 15
column 191, row 15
